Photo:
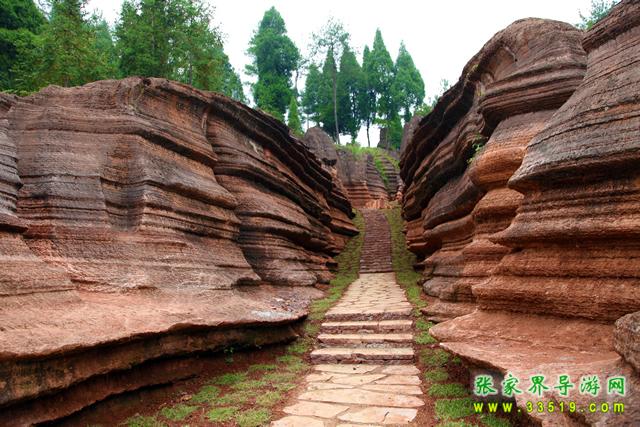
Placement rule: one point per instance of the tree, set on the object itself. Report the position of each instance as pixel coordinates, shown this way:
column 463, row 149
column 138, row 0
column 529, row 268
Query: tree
column 599, row 9
column 327, row 107
column 331, row 40
column 274, row 58
column 65, row 54
column 348, row 90
column 367, row 97
column 104, row 47
column 293, row 118
column 408, row 86
column 427, row 107
column 381, row 75
column 20, row 22
column 311, row 95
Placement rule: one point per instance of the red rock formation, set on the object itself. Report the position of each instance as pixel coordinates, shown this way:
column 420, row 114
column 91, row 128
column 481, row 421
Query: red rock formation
column 563, row 269
column 133, row 205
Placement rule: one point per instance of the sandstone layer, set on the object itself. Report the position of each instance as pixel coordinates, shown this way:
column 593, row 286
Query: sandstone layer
column 537, row 237
column 141, row 220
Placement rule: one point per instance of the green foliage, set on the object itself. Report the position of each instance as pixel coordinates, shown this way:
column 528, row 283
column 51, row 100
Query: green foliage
column 436, row 375
column 274, row 58
column 236, row 398
column 492, row 421
column 269, row 398
column 427, row 107
column 177, row 412
column 65, row 53
column 280, row 377
column 423, row 325
column 434, row 357
column 348, row 93
column 206, row 394
column 229, row 379
column 293, row 119
column 424, row 338
column 249, row 385
column 311, row 98
column 451, row 409
column 599, row 9
column 448, row 390
column 262, row 367
column 20, row 22
column 408, row 86
column 381, row 76
column 142, row 421
column 221, row 415
column 253, row 418
column 367, row 99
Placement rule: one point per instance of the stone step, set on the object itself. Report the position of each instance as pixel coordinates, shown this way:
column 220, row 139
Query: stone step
column 366, row 340
column 347, row 314
column 389, row 356
column 368, row 326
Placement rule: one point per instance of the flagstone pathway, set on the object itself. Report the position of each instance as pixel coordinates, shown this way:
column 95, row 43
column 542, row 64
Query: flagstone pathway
column 364, row 373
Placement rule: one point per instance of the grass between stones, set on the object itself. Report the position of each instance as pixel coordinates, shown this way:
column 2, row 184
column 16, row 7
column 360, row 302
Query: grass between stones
column 247, row 398
column 444, row 376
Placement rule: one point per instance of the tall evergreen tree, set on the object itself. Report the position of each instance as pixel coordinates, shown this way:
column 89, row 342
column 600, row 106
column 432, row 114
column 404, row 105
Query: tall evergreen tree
column 311, row 96
column 66, row 54
column 367, row 97
column 408, row 86
column 349, row 88
column 331, row 40
column 20, row 21
column 293, row 118
column 381, row 74
column 275, row 57
column 327, row 111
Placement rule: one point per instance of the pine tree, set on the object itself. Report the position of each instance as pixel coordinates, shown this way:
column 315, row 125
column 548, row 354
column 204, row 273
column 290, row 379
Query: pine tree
column 367, row 96
column 381, row 73
column 20, row 22
column 275, row 57
column 327, row 111
column 408, row 86
column 293, row 118
column 349, row 88
column 311, row 95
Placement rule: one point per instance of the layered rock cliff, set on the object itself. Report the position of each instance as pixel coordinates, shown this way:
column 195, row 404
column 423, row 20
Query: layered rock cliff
column 143, row 220
column 521, row 202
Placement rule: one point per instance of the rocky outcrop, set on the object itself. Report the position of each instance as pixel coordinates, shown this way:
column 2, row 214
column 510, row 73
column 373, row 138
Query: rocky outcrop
column 536, row 237
column 362, row 180
column 127, row 208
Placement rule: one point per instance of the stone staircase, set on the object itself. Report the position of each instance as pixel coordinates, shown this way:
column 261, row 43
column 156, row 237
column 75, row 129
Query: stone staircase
column 364, row 373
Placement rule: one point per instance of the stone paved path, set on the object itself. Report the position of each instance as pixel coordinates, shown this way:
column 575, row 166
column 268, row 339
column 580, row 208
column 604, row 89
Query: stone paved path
column 364, row 373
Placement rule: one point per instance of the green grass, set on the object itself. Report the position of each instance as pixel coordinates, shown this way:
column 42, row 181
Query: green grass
column 300, row 346
column 424, row 338
column 177, row 412
column 454, row 424
column 434, row 357
column 423, row 325
column 142, row 421
column 249, row 385
column 436, row 375
column 206, row 394
column 280, row 377
column 229, row 379
column 221, row 415
column 236, row 398
column 311, row 329
column 262, row 367
column 284, row 386
column 448, row 390
column 269, row 398
column 253, row 418
column 493, row 421
column 451, row 409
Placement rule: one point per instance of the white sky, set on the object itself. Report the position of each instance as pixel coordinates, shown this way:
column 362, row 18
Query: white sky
column 441, row 36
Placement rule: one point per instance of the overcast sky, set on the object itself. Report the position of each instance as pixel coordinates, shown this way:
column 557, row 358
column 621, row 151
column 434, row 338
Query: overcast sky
column 441, row 36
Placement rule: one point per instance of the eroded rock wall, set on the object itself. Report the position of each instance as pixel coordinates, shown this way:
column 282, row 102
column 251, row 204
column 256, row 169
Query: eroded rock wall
column 531, row 252
column 142, row 219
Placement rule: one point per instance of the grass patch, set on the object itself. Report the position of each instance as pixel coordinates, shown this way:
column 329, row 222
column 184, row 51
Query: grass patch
column 142, row 421
column 237, row 398
column 423, row 325
column 206, row 394
column 493, row 421
column 177, row 412
column 284, row 386
column 300, row 346
column 451, row 409
column 424, row 338
column 448, row 390
column 436, row 375
column 262, row 367
column 229, row 379
column 253, row 418
column 434, row 357
column 311, row 329
column 269, row 398
column 454, row 424
column 280, row 377
column 249, row 385
column 220, row 415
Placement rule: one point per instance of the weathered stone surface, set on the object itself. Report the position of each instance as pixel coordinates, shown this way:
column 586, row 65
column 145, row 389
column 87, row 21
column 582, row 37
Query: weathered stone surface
column 126, row 208
column 362, row 180
column 548, row 251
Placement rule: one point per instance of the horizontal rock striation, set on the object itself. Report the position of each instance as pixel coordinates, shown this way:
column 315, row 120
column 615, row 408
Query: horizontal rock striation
column 544, row 258
column 128, row 207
